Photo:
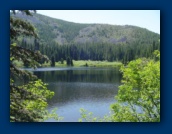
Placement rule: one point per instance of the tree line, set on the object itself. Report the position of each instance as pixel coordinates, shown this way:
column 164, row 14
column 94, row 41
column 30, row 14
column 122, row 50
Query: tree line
column 140, row 85
column 123, row 52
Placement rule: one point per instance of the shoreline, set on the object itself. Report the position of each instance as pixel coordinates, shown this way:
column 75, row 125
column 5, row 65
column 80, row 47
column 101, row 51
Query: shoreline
column 79, row 63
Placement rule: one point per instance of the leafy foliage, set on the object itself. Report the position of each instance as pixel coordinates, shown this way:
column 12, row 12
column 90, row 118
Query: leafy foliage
column 138, row 99
column 140, row 92
column 27, row 102
column 139, row 96
column 89, row 117
column 21, row 27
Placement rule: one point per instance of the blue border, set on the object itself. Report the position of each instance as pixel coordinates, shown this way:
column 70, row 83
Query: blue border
column 166, row 90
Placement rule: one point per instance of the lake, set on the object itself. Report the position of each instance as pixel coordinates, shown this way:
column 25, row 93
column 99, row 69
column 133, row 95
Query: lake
column 90, row 88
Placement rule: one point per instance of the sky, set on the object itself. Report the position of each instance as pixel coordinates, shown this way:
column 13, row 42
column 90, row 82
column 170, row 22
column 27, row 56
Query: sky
column 149, row 19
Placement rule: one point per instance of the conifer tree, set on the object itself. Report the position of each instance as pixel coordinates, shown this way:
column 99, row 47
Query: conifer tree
column 27, row 102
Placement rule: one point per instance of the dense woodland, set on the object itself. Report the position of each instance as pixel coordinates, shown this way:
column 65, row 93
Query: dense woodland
column 60, row 40
column 123, row 52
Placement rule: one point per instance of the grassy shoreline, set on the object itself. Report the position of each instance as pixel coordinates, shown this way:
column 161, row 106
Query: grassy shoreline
column 79, row 63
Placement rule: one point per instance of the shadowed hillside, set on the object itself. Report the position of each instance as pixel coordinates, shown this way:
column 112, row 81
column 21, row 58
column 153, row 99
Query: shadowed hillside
column 61, row 40
column 63, row 32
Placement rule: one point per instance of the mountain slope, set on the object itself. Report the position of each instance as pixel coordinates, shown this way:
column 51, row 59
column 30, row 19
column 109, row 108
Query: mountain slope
column 54, row 30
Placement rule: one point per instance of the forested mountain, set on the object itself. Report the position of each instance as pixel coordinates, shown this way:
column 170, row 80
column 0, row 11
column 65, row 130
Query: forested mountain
column 61, row 39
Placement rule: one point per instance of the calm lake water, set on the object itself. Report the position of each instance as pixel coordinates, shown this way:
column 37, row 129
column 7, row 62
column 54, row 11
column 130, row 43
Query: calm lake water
column 84, row 87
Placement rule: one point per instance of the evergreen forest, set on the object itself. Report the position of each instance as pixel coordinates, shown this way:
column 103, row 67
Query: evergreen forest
column 36, row 40
column 60, row 39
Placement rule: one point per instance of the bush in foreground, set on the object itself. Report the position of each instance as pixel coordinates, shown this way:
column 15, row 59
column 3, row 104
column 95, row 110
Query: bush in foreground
column 138, row 98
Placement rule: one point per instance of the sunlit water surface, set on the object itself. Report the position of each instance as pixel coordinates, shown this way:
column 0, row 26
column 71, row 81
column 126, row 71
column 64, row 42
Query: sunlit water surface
column 84, row 87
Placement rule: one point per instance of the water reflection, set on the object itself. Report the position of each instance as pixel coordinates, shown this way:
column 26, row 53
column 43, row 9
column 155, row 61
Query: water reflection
column 87, row 75
column 90, row 88
column 77, row 91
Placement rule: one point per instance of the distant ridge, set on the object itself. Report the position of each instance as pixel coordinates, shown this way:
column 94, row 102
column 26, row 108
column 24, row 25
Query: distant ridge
column 63, row 32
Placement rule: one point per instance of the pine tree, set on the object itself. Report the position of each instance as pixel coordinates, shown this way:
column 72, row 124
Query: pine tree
column 25, row 99
column 52, row 61
column 68, row 61
column 62, row 61
column 71, row 62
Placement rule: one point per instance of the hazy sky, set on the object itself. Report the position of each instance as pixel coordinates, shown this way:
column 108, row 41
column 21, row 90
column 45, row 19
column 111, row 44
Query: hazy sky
column 149, row 19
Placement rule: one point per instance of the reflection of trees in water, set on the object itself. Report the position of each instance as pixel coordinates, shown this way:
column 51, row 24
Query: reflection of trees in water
column 69, row 75
column 41, row 75
column 77, row 91
column 76, row 85
column 52, row 73
column 111, row 76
